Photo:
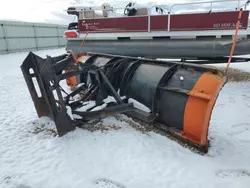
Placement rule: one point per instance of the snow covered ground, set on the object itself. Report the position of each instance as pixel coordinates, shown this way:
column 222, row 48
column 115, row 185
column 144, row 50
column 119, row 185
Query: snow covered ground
column 33, row 159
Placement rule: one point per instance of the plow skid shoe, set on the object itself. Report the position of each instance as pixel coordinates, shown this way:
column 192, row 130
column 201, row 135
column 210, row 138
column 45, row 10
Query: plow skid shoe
column 179, row 96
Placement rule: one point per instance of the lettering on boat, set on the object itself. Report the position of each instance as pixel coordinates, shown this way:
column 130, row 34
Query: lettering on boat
column 225, row 25
column 90, row 25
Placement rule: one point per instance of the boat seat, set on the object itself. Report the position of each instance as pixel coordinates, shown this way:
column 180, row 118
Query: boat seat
column 141, row 12
column 87, row 14
column 93, row 14
column 105, row 9
column 90, row 14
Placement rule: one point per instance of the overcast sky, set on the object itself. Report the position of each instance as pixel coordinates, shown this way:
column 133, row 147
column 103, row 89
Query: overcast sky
column 51, row 11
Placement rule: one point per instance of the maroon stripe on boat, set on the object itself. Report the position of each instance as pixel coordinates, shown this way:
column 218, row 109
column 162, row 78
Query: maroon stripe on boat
column 114, row 24
column 208, row 21
column 159, row 22
column 181, row 22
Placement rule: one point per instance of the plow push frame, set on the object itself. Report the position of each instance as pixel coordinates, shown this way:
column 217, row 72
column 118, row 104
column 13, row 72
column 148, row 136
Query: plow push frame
column 103, row 75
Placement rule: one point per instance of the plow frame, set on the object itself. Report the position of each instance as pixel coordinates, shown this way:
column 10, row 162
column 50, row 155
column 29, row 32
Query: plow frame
column 48, row 74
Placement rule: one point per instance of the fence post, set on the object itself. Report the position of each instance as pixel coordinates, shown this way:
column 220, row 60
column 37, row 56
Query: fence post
column 58, row 36
column 5, row 38
column 35, row 35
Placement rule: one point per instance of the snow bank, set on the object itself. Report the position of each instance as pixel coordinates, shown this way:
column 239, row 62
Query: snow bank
column 86, row 105
column 69, row 112
column 99, row 107
column 112, row 99
column 89, row 104
column 139, row 105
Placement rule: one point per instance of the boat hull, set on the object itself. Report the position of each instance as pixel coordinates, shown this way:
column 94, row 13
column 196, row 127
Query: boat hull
column 162, row 48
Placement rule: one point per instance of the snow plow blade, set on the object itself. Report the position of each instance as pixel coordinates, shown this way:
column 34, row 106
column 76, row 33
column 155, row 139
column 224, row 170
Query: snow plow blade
column 180, row 96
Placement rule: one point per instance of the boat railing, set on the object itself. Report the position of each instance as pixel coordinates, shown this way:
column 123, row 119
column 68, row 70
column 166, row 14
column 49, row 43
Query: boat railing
column 170, row 9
